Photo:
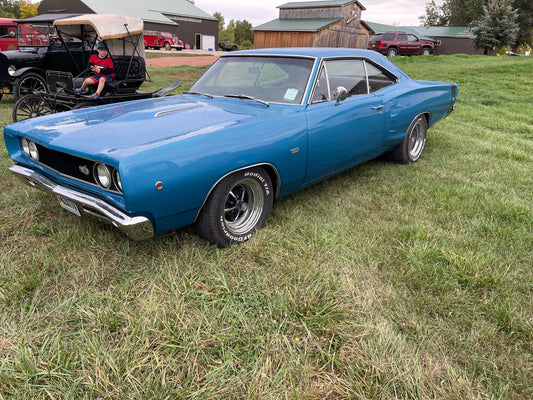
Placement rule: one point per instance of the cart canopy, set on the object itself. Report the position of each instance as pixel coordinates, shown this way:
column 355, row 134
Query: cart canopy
column 123, row 35
column 107, row 26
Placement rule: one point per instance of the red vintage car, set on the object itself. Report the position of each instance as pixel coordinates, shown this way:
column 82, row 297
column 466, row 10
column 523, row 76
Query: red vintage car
column 157, row 40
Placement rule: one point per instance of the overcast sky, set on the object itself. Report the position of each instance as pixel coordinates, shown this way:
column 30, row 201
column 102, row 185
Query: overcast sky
column 257, row 12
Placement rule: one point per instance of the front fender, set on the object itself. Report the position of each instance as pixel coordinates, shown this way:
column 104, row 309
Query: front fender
column 21, row 71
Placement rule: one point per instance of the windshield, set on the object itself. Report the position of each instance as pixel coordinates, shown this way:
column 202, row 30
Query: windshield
column 271, row 79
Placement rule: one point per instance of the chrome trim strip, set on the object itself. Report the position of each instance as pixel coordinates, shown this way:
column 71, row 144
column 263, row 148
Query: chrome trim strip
column 137, row 228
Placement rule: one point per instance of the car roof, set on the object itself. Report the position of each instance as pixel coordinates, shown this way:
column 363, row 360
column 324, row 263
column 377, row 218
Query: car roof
column 314, row 52
column 320, row 53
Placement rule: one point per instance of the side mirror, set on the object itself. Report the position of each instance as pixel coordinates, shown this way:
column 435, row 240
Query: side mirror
column 340, row 94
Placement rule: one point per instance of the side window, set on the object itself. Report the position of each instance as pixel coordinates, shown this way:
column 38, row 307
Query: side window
column 349, row 74
column 377, row 78
column 321, row 89
column 401, row 37
column 412, row 38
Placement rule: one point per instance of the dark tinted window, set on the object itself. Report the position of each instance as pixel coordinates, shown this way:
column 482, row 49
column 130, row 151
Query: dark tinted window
column 388, row 36
column 376, row 38
column 402, row 37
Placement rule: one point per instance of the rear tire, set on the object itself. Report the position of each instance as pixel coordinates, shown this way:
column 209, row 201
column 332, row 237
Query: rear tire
column 392, row 52
column 28, row 83
column 239, row 205
column 410, row 149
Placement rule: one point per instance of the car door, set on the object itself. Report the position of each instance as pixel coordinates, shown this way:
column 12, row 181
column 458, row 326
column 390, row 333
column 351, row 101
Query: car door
column 413, row 44
column 402, row 43
column 342, row 133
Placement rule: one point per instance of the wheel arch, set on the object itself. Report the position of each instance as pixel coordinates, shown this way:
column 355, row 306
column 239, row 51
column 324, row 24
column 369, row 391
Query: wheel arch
column 270, row 169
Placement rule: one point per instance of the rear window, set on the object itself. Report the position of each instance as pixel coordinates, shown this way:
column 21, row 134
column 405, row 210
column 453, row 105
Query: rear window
column 376, row 38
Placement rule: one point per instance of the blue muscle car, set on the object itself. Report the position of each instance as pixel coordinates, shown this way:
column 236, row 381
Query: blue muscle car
column 256, row 126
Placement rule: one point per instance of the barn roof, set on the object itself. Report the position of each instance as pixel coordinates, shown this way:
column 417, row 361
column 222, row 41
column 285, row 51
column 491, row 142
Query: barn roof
column 424, row 32
column 321, row 4
column 297, row 25
column 148, row 10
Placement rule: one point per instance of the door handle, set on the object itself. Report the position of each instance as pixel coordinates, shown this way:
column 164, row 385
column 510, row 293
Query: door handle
column 377, row 108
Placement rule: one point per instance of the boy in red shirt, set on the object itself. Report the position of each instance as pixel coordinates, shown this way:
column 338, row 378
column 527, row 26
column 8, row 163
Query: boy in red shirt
column 102, row 67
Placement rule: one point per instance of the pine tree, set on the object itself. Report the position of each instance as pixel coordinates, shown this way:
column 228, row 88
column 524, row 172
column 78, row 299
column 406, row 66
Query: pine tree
column 497, row 26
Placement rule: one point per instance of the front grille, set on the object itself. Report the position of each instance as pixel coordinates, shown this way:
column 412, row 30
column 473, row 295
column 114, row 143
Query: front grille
column 74, row 167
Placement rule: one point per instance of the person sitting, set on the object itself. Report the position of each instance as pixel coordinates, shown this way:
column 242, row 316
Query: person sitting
column 103, row 71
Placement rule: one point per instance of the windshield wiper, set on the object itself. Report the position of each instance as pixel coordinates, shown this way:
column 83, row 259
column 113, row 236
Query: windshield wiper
column 199, row 94
column 246, row 97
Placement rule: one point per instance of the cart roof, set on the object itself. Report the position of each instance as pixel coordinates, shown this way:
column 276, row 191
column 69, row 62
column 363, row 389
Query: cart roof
column 107, row 26
column 44, row 18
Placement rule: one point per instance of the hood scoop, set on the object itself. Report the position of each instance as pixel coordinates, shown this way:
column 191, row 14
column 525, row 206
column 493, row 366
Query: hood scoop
column 167, row 112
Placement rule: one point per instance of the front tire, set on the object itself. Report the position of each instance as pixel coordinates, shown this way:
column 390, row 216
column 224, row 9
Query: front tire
column 410, row 149
column 28, row 83
column 426, row 51
column 239, row 205
column 167, row 46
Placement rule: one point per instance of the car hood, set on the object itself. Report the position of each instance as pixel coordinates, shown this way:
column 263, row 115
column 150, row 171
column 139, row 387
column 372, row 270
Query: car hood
column 118, row 130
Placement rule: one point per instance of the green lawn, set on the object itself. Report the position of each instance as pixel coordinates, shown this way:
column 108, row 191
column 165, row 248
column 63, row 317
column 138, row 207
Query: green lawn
column 385, row 282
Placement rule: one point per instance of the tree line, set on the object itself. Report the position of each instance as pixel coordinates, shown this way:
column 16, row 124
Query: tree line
column 494, row 23
column 238, row 32
column 17, row 9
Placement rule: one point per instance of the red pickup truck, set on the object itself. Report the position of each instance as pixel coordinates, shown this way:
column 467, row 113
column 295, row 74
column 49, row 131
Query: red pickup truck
column 400, row 43
column 158, row 40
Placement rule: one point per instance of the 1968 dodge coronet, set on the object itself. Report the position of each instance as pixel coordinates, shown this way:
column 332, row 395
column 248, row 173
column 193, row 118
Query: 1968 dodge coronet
column 255, row 126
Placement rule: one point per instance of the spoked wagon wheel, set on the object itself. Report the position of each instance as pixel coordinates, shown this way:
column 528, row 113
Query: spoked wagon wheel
column 29, row 83
column 31, row 106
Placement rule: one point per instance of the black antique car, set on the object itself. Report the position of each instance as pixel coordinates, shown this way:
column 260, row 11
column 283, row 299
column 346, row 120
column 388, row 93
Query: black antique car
column 42, row 49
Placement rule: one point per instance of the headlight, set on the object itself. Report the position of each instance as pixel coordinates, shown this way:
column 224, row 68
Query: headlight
column 34, row 153
column 11, row 70
column 30, row 149
column 118, row 183
column 26, row 147
column 102, row 175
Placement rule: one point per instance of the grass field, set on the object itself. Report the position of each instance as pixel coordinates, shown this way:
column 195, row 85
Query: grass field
column 385, row 282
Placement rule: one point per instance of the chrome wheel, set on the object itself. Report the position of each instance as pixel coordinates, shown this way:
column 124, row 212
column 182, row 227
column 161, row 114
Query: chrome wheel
column 417, row 140
column 412, row 146
column 239, row 205
column 243, row 206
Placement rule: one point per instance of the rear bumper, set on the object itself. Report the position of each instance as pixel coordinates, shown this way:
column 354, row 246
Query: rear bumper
column 138, row 228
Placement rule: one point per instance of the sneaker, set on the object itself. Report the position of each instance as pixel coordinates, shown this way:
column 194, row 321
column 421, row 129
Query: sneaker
column 94, row 96
column 78, row 90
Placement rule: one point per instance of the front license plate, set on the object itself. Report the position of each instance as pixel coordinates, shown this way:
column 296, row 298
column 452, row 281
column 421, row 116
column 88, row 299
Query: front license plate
column 69, row 205
column 4, row 90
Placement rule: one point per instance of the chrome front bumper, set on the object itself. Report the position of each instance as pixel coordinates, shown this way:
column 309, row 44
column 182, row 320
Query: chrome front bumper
column 138, row 228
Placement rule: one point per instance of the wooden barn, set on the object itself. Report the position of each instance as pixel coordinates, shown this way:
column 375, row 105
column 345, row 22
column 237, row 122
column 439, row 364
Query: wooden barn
column 332, row 23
